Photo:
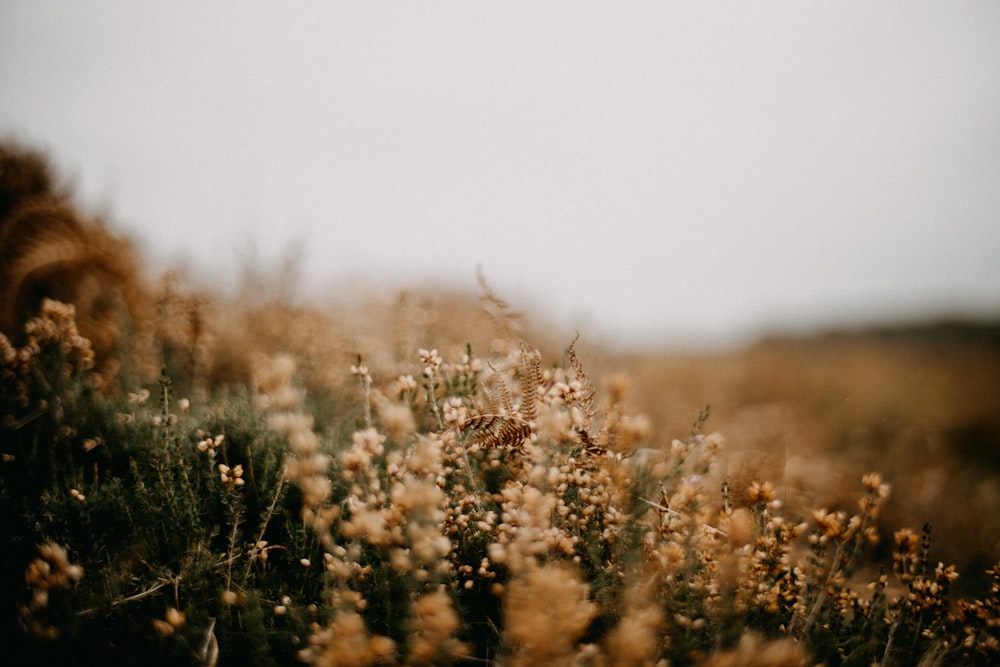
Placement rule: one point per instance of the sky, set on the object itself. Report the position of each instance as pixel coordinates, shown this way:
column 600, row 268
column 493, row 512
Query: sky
column 681, row 173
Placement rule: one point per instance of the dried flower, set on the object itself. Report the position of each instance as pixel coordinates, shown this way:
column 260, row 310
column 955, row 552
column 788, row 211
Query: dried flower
column 139, row 397
column 547, row 611
column 232, row 476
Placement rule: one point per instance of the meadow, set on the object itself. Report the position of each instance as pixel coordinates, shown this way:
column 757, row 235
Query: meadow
column 431, row 478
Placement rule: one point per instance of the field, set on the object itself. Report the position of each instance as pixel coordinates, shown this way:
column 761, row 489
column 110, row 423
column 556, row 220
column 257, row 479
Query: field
column 430, row 478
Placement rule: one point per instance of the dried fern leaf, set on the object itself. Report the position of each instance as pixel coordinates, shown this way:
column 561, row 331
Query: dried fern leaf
column 494, row 406
column 531, row 376
column 496, row 431
column 484, row 423
column 589, row 445
column 587, row 388
column 477, row 407
column 505, row 395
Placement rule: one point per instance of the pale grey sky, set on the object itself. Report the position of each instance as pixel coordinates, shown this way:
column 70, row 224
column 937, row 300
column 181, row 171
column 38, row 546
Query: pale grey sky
column 686, row 172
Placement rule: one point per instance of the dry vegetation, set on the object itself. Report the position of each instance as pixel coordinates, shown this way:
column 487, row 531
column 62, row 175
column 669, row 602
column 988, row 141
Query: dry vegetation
column 420, row 480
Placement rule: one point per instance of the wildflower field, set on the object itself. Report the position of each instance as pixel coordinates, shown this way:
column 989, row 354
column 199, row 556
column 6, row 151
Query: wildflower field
column 432, row 479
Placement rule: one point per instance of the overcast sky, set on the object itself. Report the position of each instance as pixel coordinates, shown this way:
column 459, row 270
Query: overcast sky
column 644, row 171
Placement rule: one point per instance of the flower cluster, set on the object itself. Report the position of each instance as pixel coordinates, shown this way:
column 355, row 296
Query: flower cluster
column 306, row 465
column 233, row 476
column 56, row 325
column 209, row 445
column 50, row 572
column 52, row 348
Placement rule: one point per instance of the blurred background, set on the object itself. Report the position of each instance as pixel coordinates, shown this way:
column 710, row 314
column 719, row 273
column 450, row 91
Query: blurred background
column 677, row 174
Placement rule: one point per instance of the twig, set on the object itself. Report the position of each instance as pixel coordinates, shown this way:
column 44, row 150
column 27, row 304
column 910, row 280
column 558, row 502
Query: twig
column 132, row 598
column 675, row 513
column 263, row 528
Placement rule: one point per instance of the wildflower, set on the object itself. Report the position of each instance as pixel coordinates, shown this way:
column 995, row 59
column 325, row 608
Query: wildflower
column 138, row 398
column 209, row 445
column 547, row 611
column 877, row 492
column 174, row 617
column 432, row 626
column 369, row 441
column 373, row 525
column 632, row 430
column 50, row 571
column 174, row 621
column 259, row 550
column 635, row 640
column 274, row 383
column 231, row 475
column 455, row 412
column 760, row 494
column 831, row 524
column 873, row 483
column 406, row 383
column 430, row 360
column 8, row 353
column 741, row 528
column 754, row 650
column 231, row 597
column 425, row 457
column 163, row 628
column 346, row 641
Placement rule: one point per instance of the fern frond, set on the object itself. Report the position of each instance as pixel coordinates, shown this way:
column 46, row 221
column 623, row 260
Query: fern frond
column 491, row 398
column 484, row 423
column 477, row 407
column 589, row 445
column 531, row 377
column 496, row 431
column 505, row 395
column 587, row 388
